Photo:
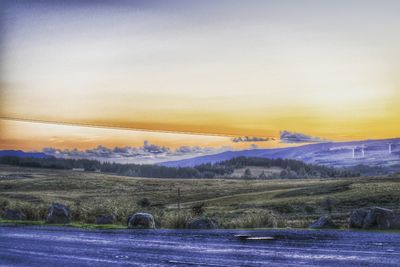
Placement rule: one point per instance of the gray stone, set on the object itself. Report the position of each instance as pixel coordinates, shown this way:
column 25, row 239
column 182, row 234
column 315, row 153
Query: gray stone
column 105, row 219
column 374, row 218
column 376, row 215
column 323, row 222
column 391, row 222
column 202, row 223
column 58, row 213
column 357, row 217
column 13, row 215
column 141, row 220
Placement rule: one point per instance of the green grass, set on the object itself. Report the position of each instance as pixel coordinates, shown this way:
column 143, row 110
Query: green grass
column 20, row 222
column 234, row 203
column 73, row 224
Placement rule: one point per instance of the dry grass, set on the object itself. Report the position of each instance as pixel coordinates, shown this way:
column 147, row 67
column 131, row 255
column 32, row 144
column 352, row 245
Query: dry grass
column 233, row 203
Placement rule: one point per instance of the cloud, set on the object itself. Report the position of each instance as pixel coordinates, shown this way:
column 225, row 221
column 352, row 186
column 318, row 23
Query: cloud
column 154, row 149
column 148, row 153
column 253, row 146
column 194, row 149
column 293, row 137
column 241, row 139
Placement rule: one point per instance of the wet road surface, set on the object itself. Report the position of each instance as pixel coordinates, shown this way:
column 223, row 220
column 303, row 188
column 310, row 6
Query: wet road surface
column 61, row 246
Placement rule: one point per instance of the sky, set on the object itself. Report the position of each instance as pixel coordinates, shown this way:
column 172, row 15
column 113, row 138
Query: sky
column 221, row 69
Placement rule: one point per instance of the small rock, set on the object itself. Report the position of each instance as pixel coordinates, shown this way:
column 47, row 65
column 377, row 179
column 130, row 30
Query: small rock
column 202, row 223
column 58, row 213
column 322, row 223
column 13, row 215
column 105, row 219
column 141, row 220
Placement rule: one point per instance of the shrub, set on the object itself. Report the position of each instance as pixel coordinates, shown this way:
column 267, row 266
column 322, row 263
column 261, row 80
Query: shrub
column 143, row 202
column 33, row 212
column 263, row 219
column 309, row 209
column 198, row 209
column 328, row 204
column 176, row 220
column 284, row 208
column 4, row 203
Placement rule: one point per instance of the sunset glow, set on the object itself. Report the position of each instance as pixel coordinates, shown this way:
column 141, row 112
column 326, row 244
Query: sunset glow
column 231, row 68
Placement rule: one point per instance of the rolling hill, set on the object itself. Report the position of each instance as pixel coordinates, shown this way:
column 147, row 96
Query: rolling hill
column 335, row 154
column 22, row 154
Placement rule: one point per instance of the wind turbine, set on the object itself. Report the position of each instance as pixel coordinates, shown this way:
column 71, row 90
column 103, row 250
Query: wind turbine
column 362, row 150
column 390, row 148
column 354, row 152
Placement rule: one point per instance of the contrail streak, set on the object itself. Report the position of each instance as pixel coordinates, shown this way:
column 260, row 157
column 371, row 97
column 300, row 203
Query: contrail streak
column 115, row 127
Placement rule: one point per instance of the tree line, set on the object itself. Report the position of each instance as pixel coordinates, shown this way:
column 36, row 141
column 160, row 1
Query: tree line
column 291, row 169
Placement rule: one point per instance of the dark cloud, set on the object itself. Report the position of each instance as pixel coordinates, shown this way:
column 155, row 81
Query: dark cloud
column 249, row 139
column 292, row 137
column 154, row 149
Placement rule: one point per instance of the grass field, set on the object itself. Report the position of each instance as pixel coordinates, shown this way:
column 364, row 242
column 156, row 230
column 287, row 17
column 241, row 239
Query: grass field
column 234, row 202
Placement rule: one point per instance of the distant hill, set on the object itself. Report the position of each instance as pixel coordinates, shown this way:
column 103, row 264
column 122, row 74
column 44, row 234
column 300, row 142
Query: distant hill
column 22, row 154
column 334, row 154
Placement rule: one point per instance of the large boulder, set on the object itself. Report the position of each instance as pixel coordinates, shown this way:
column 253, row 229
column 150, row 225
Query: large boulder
column 322, row 223
column 13, row 215
column 58, row 213
column 141, row 220
column 105, row 219
column 357, row 217
column 202, row 223
column 391, row 221
column 374, row 218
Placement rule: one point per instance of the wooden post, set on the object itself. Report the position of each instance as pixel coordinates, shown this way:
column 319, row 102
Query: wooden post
column 179, row 201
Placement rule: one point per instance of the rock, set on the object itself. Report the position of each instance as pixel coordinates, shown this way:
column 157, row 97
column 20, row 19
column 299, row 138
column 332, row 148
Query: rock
column 141, row 220
column 391, row 221
column 357, row 218
column 376, row 215
column 58, row 213
column 105, row 219
column 374, row 218
column 202, row 223
column 13, row 215
column 323, row 222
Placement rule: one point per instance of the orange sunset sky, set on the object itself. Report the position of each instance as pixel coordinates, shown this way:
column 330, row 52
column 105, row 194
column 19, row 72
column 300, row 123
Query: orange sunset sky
column 328, row 69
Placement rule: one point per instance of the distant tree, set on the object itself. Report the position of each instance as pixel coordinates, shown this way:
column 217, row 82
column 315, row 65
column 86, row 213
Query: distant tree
column 284, row 174
column 302, row 172
column 262, row 175
column 291, row 168
column 247, row 173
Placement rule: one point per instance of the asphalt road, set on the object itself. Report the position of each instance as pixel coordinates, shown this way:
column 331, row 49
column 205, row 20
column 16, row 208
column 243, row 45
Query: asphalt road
column 57, row 246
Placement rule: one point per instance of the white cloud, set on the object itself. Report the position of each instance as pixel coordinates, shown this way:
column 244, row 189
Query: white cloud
column 249, row 139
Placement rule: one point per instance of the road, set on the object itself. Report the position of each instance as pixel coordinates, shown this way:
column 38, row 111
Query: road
column 62, row 246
